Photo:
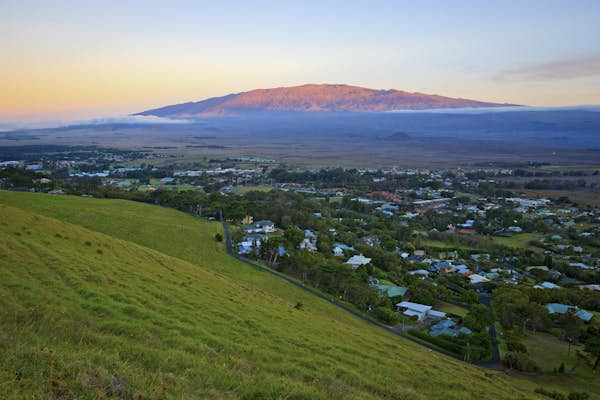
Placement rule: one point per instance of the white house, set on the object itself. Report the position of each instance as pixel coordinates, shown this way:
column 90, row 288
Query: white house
column 307, row 244
column 547, row 285
column 357, row 261
column 476, row 278
column 422, row 311
column 261, row 227
column 422, row 272
column 338, row 252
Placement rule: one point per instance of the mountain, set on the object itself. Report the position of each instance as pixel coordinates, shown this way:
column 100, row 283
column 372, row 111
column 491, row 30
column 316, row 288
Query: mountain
column 313, row 97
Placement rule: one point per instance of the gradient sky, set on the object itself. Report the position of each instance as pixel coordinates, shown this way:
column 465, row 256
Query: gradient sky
column 79, row 59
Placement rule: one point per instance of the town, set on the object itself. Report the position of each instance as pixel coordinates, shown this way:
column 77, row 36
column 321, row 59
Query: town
column 456, row 259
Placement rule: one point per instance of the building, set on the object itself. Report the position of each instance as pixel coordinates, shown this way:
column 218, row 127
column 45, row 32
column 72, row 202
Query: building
column 261, row 227
column 421, row 311
column 391, row 291
column 357, row 261
column 448, row 327
column 547, row 285
column 557, row 308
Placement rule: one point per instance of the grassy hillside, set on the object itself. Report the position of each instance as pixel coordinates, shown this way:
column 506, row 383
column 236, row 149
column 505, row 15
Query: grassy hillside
column 103, row 298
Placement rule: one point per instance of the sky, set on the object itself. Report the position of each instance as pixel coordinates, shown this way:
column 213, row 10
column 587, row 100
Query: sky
column 80, row 59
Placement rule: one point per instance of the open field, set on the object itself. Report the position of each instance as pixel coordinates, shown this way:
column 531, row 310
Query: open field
column 250, row 188
column 519, row 240
column 451, row 308
column 549, row 352
column 107, row 295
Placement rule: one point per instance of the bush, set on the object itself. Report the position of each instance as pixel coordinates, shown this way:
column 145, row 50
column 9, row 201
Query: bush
column 521, row 362
column 551, row 394
column 514, row 345
column 385, row 315
column 440, row 341
column 218, row 237
column 578, row 396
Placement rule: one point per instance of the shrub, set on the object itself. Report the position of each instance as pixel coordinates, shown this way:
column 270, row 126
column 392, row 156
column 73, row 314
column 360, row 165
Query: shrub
column 218, row 237
column 521, row 362
column 385, row 315
column 513, row 344
column 551, row 394
column 578, row 396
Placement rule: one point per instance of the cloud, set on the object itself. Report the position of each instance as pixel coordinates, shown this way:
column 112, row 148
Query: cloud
column 566, row 68
column 127, row 119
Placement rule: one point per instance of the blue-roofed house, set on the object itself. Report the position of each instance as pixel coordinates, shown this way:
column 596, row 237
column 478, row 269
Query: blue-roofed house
column 558, row 308
column 448, row 327
column 439, row 266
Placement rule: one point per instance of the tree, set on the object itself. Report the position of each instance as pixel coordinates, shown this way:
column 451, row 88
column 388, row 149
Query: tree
column 293, row 235
column 423, row 293
column 572, row 326
column 478, row 317
column 592, row 346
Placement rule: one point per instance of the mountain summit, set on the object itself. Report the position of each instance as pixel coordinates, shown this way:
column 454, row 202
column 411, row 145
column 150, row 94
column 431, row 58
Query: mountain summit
column 313, row 98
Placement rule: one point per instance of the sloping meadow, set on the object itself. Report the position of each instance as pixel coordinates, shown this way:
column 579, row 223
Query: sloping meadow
column 108, row 298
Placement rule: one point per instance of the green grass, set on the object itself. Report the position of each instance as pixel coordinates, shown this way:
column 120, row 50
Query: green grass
column 107, row 295
column 451, row 308
column 517, row 241
column 249, row 188
column 549, row 352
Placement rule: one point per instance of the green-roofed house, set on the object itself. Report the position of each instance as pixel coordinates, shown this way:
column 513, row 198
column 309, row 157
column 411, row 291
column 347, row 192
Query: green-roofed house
column 391, row 291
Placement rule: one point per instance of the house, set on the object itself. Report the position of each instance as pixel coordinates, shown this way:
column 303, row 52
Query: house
column 338, row 252
column 344, row 247
column 547, row 285
column 308, row 244
column 595, row 288
column 444, row 267
column 468, row 224
column 448, row 327
column 557, row 308
column 256, row 238
column 266, row 226
column 245, row 247
column 371, row 240
column 310, row 241
column 413, row 309
column 462, row 270
column 476, row 278
column 515, row 229
column 357, row 261
column 391, row 291
column 421, row 272
column 421, row 311
column 261, row 227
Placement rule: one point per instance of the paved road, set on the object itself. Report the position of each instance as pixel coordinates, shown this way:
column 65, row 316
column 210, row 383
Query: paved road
column 491, row 364
column 485, row 298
